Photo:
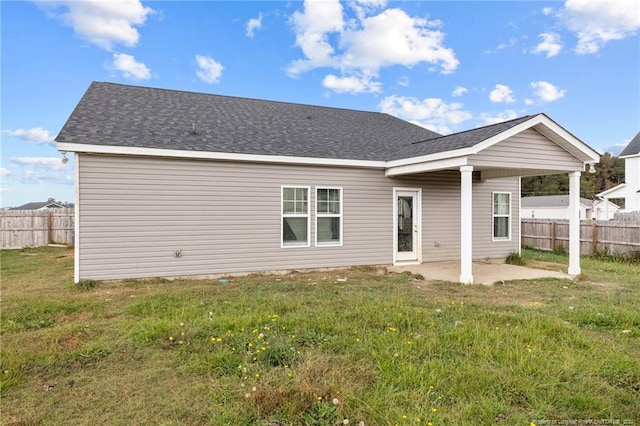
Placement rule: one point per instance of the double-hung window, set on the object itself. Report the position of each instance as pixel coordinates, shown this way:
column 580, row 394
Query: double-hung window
column 295, row 216
column 328, row 216
column 501, row 216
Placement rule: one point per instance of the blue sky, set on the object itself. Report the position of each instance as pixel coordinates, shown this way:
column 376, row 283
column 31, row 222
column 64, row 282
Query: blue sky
column 449, row 66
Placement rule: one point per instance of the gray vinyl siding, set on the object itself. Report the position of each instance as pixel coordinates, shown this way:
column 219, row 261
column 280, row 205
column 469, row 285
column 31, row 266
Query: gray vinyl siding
column 527, row 150
column 483, row 244
column 441, row 217
column 225, row 217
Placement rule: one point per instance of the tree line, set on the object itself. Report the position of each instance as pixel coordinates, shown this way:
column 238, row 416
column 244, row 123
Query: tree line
column 609, row 173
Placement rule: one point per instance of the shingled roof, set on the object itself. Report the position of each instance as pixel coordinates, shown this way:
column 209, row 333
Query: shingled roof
column 460, row 140
column 551, row 201
column 37, row 205
column 633, row 148
column 119, row 115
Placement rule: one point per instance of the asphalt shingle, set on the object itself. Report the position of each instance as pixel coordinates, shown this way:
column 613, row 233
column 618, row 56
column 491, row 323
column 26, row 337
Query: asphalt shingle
column 120, row 115
column 460, row 140
column 132, row 116
column 633, row 148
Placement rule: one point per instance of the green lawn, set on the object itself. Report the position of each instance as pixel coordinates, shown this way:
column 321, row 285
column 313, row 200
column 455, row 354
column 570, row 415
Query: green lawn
column 312, row 349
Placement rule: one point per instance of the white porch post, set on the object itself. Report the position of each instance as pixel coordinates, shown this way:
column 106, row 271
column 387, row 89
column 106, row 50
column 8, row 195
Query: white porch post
column 574, row 223
column 466, row 221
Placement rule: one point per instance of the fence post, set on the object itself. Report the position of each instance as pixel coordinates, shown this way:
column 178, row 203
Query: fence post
column 594, row 238
column 553, row 236
column 49, row 226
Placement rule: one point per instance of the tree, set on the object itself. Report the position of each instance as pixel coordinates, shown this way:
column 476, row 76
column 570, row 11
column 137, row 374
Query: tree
column 609, row 173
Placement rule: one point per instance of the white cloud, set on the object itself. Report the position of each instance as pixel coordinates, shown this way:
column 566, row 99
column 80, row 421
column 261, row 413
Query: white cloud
column 487, row 118
column 351, row 84
column 209, row 70
column 49, row 163
column 254, row 24
column 103, row 23
column 432, row 113
column 312, row 28
column 372, row 3
column 459, row 91
column 546, row 92
column 395, row 38
column 547, row 11
column 39, row 170
column 511, row 42
column 130, row 68
column 367, row 43
column 501, row 94
column 4, row 172
column 362, row 8
column 595, row 23
column 550, row 45
column 616, row 148
column 403, row 81
column 34, row 134
column 529, row 101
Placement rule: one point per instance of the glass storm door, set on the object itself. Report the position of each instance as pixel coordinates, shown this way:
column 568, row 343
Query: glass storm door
column 407, row 233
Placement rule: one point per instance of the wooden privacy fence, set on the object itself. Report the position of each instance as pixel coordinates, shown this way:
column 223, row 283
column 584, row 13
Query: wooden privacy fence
column 36, row 228
column 609, row 237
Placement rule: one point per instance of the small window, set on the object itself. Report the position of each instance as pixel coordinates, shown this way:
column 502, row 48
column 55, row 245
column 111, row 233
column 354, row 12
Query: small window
column 328, row 216
column 295, row 217
column 501, row 215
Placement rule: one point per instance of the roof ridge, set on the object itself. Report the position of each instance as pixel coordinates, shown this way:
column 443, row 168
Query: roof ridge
column 115, row 114
column 475, row 129
column 190, row 92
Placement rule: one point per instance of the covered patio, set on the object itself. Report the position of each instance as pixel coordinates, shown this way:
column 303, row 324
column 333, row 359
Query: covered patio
column 529, row 146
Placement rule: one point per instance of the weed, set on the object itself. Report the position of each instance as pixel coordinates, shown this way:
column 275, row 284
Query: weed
column 515, row 258
column 87, row 284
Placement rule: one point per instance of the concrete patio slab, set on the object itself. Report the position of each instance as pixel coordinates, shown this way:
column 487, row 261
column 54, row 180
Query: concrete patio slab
column 484, row 271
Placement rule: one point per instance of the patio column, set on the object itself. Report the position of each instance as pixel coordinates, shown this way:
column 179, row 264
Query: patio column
column 466, row 224
column 574, row 223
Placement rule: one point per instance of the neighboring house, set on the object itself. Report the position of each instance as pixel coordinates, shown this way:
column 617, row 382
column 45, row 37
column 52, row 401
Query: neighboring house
column 557, row 207
column 173, row 183
column 630, row 190
column 39, row 206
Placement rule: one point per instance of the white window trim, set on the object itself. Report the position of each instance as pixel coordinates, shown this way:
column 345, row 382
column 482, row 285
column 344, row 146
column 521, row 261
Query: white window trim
column 283, row 215
column 494, row 215
column 340, row 215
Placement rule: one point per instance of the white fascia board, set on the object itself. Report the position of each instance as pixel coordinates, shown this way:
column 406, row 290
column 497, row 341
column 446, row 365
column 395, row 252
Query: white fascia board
column 613, row 192
column 430, row 166
column 630, row 156
column 223, row 156
column 589, row 154
column 430, row 157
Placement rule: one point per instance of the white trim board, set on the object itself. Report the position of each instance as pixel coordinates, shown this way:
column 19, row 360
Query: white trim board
column 207, row 155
